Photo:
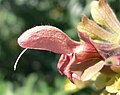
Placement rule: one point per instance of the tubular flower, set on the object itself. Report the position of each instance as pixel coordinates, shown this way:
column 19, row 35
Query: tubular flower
column 77, row 58
column 81, row 60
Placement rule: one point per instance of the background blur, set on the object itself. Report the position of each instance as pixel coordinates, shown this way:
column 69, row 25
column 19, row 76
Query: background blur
column 36, row 72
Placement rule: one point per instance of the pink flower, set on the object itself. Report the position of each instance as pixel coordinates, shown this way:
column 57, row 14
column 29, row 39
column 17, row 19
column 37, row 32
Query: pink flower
column 79, row 60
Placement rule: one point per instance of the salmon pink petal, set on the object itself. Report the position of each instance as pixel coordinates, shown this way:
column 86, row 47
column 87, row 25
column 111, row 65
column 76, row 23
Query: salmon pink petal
column 63, row 62
column 92, row 70
column 85, row 70
column 47, row 38
column 105, row 49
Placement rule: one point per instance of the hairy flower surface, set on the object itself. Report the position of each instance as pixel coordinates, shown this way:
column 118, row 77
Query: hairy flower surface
column 98, row 51
column 73, row 53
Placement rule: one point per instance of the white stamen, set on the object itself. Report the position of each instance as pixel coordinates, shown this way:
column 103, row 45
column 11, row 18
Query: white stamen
column 15, row 65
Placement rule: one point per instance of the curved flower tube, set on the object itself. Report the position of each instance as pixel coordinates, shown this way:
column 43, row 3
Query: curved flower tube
column 53, row 39
column 81, row 60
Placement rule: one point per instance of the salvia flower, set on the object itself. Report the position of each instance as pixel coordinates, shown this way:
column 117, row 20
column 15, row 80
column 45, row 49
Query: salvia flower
column 73, row 53
column 97, row 52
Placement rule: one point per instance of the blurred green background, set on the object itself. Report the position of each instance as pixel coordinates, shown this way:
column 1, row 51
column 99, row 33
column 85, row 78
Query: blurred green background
column 36, row 72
